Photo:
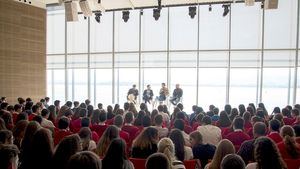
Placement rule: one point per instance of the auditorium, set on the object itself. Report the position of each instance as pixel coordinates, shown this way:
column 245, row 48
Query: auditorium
column 149, row 84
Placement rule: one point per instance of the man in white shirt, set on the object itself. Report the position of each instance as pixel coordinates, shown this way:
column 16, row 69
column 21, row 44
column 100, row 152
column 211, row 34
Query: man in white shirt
column 166, row 118
column 45, row 122
column 211, row 134
column 158, row 121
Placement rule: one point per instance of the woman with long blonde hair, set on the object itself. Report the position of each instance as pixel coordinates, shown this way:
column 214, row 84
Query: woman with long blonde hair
column 224, row 147
column 109, row 134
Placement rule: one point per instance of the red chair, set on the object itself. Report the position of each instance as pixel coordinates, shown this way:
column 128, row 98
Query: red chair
column 190, row 164
column 138, row 163
column 292, row 163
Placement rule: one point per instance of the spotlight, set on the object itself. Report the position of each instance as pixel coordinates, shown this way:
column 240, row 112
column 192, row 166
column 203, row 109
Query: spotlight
column 262, row 5
column 85, row 8
column 192, row 11
column 156, row 14
column 209, row 8
column 141, row 12
column 97, row 16
column 125, row 16
column 226, row 10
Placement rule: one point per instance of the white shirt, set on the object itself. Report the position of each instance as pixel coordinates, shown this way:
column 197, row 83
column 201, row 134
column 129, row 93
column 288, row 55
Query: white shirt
column 210, row 134
column 47, row 123
column 188, row 153
column 165, row 116
column 186, row 139
column 251, row 166
column 162, row 132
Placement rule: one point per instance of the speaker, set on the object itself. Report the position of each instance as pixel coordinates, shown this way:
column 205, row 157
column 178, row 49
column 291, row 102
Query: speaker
column 71, row 11
column 271, row 4
column 249, row 2
column 85, row 8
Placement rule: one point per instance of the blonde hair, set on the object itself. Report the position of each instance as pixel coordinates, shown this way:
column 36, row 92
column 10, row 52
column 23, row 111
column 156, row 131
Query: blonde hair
column 288, row 135
column 224, row 147
column 109, row 134
column 167, row 147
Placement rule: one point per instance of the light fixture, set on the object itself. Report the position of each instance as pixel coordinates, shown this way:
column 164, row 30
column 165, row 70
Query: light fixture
column 85, row 8
column 141, row 12
column 226, row 9
column 97, row 16
column 156, row 14
column 192, row 11
column 125, row 16
column 159, row 4
column 209, row 8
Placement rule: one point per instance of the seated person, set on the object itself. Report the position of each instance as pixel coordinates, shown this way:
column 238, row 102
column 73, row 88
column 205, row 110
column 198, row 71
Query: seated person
column 129, row 127
column 9, row 156
column 62, row 131
column 118, row 122
column 201, row 151
column 163, row 93
column 101, row 126
column 274, row 126
column 6, row 137
column 210, row 134
column 85, row 122
column 238, row 136
column 177, row 95
column 288, row 148
column 158, row 122
column 148, row 95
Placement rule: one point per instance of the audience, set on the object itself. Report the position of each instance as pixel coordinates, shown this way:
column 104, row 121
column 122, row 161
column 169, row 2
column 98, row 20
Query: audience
column 210, row 134
column 109, row 134
column 288, row 148
column 158, row 161
column 232, row 161
column 9, row 156
column 145, row 144
column 84, row 159
column 274, row 126
column 182, row 152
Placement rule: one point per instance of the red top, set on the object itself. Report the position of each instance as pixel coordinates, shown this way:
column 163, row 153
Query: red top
column 225, row 131
column 59, row 134
column 110, row 121
column 99, row 129
column 247, row 125
column 15, row 116
column 250, row 132
column 275, row 136
column 284, row 153
column 75, row 125
column 95, row 136
column 131, row 130
column 237, row 137
column 196, row 125
column 31, row 116
column 288, row 121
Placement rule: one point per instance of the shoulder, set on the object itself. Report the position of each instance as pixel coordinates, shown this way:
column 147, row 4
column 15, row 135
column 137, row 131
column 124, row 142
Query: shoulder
column 251, row 166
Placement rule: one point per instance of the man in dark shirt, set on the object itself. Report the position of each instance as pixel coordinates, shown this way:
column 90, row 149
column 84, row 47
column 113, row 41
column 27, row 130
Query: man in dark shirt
column 148, row 94
column 177, row 94
column 246, row 150
column 133, row 91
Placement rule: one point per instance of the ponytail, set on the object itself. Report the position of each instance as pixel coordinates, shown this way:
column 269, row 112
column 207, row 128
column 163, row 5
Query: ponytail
column 169, row 155
column 291, row 147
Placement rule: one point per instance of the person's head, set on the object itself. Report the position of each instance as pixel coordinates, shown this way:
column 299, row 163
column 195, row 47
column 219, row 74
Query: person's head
column 238, row 123
column 224, row 120
column 242, row 109
column 274, row 125
column 109, row 134
column 69, row 104
column 224, row 147
column 76, row 104
column 297, row 130
column 126, row 106
column 148, row 87
column 227, row 108
column 247, row 117
column 259, row 129
column 9, row 156
column 3, row 99
column 177, row 86
column 276, row 110
column 56, row 103
column 31, row 128
column 158, row 161
column 118, row 121
column 146, row 138
column 128, row 117
column 158, row 120
column 215, row 111
column 21, row 101
column 160, row 108
column 84, row 159
column 85, row 122
column 286, row 112
column 63, row 123
column 38, row 119
column 87, row 102
column 102, row 116
column 163, row 84
column 6, row 137
column 206, row 120
column 146, row 121
column 18, row 108
column 10, row 108
column 295, row 112
column 95, row 116
column 67, row 147
column 180, row 106
column 179, row 124
column 100, row 106
column 19, row 131
column 115, row 155
column 266, row 154
column 255, row 119
column 178, row 140
column 167, row 147
column 47, row 99
column 232, row 161
column 195, row 138
column 279, row 117
column 116, row 108
column 45, row 113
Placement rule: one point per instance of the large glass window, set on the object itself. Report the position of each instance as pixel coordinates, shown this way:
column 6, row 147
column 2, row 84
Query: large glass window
column 56, row 32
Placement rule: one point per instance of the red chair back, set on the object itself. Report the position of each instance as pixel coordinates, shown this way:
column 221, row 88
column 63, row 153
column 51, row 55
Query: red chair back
column 138, row 163
column 292, row 163
column 190, row 164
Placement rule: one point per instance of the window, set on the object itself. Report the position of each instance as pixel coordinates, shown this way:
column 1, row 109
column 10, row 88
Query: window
column 56, row 32
column 77, row 36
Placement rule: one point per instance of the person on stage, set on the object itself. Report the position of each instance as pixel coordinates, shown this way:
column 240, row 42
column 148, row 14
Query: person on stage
column 148, row 95
column 163, row 93
column 132, row 94
column 177, row 94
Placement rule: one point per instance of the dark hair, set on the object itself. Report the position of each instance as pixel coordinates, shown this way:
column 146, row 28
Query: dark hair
column 178, row 140
column 45, row 112
column 216, row 111
column 85, row 134
column 233, row 114
column 67, row 147
column 232, row 161
column 118, row 121
column 206, row 120
column 102, row 116
column 47, row 98
column 17, row 107
column 84, row 159
column 259, row 129
column 21, row 100
column 56, row 103
column 276, row 110
column 146, row 138
column 179, row 124
column 82, row 112
column 115, row 156
column 128, row 117
column 19, row 131
column 5, row 136
column 242, row 109
column 95, row 117
column 247, row 117
column 158, row 161
column 76, row 104
column 38, row 119
column 238, row 123
column 109, row 134
column 90, row 110
column 139, row 119
column 253, row 107
column 295, row 112
column 126, row 106
column 3, row 105
column 224, row 120
column 100, row 106
column 116, row 108
column 69, row 104
column 8, row 152
column 251, row 110
column 160, row 108
column 288, row 135
column 10, row 108
column 34, row 108
column 227, row 108
column 63, row 122
column 274, row 125
column 146, row 121
column 87, row 102
column 22, row 116
column 158, row 119
column 297, row 130
column 266, row 154
column 85, row 122
column 180, row 115
column 286, row 112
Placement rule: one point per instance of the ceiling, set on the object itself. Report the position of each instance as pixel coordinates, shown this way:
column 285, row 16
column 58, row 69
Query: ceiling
column 123, row 4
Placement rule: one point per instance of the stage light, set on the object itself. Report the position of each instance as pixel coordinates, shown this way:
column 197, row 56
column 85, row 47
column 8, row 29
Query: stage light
column 156, row 14
column 192, row 11
column 125, row 16
column 226, row 10
column 85, row 8
column 98, row 16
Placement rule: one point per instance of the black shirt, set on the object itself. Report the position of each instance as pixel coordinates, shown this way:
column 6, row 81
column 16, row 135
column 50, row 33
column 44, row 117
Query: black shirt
column 144, row 153
column 204, row 152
